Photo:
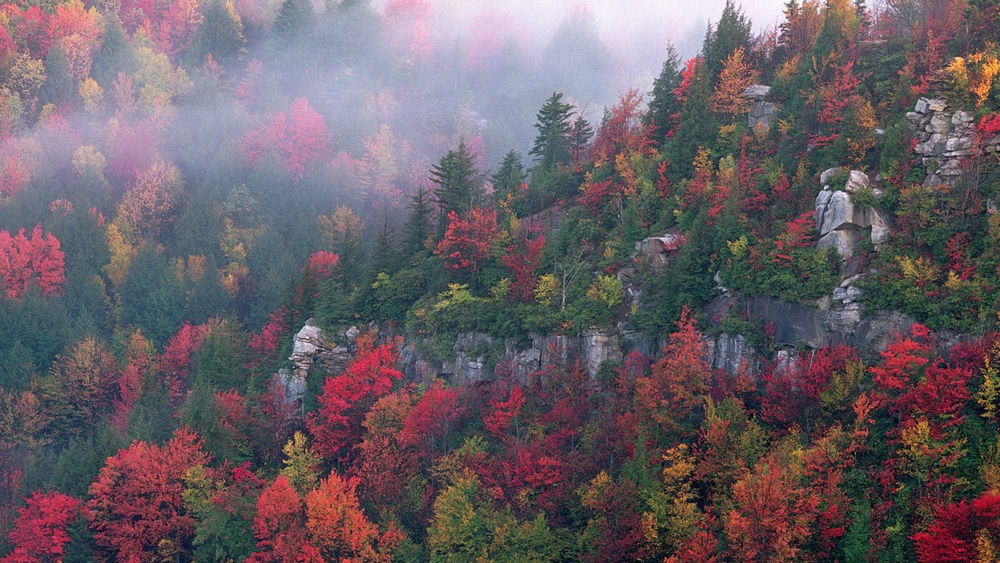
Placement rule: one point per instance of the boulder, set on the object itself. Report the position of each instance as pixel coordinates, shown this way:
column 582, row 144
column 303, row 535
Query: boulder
column 857, row 181
column 657, row 251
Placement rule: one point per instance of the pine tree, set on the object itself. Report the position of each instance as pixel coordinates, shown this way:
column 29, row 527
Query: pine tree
column 293, row 18
column 459, row 184
column 418, row 224
column 220, row 35
column 114, row 55
column 551, row 146
column 732, row 32
column 59, row 88
column 697, row 126
column 664, row 106
column 579, row 138
column 509, row 176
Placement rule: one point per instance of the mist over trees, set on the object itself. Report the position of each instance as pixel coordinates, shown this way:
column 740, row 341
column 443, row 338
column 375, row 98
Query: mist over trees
column 412, row 280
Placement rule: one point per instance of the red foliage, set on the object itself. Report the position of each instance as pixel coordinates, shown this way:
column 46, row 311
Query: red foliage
column 522, row 259
column 171, row 25
column 466, row 244
column 265, row 342
column 499, row 420
column 678, row 382
column 338, row 526
column 175, row 361
column 594, row 194
column 40, row 531
column 27, row 262
column 30, row 29
column 988, row 126
column 952, row 535
column 770, row 516
column 410, row 35
column 280, row 527
column 958, row 255
column 138, row 363
column 136, row 500
column 621, row 130
column 296, row 136
column 430, row 422
column 687, row 75
column 321, row 264
column 797, row 234
column 902, row 358
column 234, row 414
column 795, row 386
column 336, row 423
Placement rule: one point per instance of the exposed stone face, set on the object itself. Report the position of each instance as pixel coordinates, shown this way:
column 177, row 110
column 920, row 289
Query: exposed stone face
column 732, row 353
column 944, row 138
column 657, row 251
column 762, row 112
column 840, row 223
column 310, row 347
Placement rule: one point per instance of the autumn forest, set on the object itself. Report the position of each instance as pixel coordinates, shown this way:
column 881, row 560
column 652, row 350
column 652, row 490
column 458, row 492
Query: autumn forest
column 340, row 280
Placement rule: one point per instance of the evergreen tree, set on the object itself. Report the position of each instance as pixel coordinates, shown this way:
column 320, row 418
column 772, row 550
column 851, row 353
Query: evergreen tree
column 697, row 127
column 293, row 18
column 385, row 254
column 553, row 123
column 114, row 55
column 579, row 138
column 664, row 106
column 732, row 32
column 151, row 296
column 59, row 88
column 508, row 177
column 459, row 184
column 418, row 224
column 220, row 35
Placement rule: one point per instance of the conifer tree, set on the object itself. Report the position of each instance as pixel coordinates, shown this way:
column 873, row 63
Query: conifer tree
column 509, row 176
column 292, row 19
column 664, row 106
column 59, row 88
column 459, row 184
column 220, row 35
column 732, row 32
column 114, row 55
column 418, row 224
column 551, row 146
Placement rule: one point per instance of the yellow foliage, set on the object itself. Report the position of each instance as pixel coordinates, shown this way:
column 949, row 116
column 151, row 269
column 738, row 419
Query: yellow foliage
column 546, row 289
column 341, row 223
column 92, row 95
column 738, row 247
column 121, row 251
column 920, row 270
column 87, row 160
column 989, row 391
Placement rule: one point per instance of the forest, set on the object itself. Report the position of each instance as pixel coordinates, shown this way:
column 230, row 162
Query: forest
column 292, row 280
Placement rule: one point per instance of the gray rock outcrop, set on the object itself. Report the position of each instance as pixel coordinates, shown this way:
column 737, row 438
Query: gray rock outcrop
column 762, row 112
column 944, row 138
column 842, row 224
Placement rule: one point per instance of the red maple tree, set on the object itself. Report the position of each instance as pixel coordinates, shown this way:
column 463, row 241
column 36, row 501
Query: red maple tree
column 297, row 136
column 336, row 423
column 135, row 505
column 35, row 261
column 466, row 244
column 40, row 531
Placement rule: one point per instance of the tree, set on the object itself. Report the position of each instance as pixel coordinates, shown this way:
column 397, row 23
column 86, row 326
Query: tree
column 551, row 146
column 292, row 20
column 418, row 225
column 731, row 33
column 735, row 77
column 151, row 296
column 466, row 243
column 80, row 387
column 459, row 184
column 40, row 532
column 59, row 88
column 280, row 526
column 297, row 136
column 964, row 531
column 220, row 36
column 149, row 208
column 678, row 382
column 338, row 526
column 31, row 262
column 523, row 259
column 771, row 516
column 136, row 508
column 665, row 103
column 509, row 178
column 621, row 128
column 341, row 407
column 114, row 56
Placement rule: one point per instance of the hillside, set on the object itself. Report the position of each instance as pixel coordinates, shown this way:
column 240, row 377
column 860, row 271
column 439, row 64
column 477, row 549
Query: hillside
column 319, row 281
